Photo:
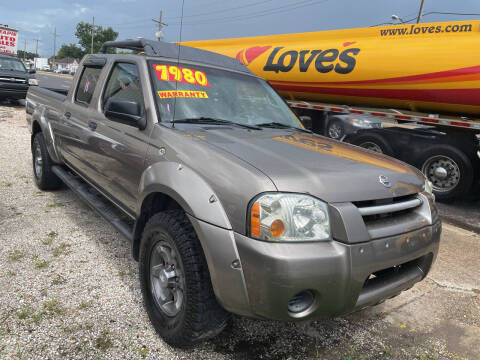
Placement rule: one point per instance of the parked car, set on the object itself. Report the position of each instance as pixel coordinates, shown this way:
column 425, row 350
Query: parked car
column 231, row 205
column 14, row 78
column 341, row 125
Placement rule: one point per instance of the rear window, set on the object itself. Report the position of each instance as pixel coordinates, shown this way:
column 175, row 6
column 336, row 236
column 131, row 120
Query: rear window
column 87, row 85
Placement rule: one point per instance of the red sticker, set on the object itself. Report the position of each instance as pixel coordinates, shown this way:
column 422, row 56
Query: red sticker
column 181, row 74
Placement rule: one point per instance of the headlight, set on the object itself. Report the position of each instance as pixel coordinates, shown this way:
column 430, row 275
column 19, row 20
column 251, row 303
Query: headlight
column 360, row 122
column 32, row 82
column 289, row 217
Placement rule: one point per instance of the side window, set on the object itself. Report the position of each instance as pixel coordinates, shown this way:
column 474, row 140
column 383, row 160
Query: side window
column 124, row 83
column 87, row 84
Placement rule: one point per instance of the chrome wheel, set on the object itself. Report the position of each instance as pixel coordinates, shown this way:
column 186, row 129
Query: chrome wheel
column 167, row 279
column 335, row 131
column 443, row 172
column 369, row 145
column 37, row 161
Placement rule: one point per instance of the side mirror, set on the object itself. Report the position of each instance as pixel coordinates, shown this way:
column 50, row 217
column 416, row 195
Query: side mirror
column 127, row 112
column 32, row 71
column 306, row 121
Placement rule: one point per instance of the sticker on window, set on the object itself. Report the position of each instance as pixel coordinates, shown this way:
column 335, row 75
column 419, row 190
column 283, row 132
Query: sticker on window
column 181, row 74
column 182, row 94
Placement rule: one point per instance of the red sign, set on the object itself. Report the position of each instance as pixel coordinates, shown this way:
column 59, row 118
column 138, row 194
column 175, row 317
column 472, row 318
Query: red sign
column 8, row 41
column 181, row 74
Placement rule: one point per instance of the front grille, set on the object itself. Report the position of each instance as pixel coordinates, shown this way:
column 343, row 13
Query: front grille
column 13, row 80
column 373, row 210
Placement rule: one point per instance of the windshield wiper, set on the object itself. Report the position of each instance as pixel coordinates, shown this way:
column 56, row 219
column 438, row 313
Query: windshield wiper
column 210, row 120
column 277, row 125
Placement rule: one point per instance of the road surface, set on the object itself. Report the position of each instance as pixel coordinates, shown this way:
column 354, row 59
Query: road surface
column 54, row 81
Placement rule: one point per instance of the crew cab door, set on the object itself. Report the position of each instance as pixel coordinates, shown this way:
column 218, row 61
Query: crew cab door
column 74, row 132
column 119, row 148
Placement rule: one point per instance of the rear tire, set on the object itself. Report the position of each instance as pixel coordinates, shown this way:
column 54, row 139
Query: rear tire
column 374, row 142
column 450, row 171
column 175, row 282
column 42, row 163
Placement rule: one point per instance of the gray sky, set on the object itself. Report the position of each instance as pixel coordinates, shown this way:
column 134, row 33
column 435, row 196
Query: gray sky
column 209, row 19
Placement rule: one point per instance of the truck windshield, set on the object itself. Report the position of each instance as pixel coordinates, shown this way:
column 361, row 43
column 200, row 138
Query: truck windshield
column 191, row 92
column 11, row 64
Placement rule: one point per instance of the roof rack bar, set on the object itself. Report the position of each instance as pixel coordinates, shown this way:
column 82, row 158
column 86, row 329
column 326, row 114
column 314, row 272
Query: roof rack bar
column 134, row 44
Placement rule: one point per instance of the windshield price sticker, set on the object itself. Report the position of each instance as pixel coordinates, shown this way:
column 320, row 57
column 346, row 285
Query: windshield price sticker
column 181, row 74
column 168, row 94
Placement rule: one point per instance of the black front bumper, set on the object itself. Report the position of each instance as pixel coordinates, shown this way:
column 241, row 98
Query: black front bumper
column 13, row 91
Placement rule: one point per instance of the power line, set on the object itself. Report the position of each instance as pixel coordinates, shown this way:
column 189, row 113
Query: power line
column 253, row 15
column 226, row 10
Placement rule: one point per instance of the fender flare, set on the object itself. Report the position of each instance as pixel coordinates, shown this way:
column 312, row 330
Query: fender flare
column 187, row 188
column 39, row 119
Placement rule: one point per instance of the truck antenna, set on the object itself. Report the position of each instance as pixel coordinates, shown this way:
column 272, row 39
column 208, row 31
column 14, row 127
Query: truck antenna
column 178, row 63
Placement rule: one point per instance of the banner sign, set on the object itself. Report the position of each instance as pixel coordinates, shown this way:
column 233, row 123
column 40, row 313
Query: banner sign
column 8, row 41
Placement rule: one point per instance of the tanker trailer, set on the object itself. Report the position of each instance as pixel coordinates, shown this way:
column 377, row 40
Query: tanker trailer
column 424, row 74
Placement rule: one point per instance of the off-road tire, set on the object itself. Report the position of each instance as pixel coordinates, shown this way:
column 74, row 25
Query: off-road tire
column 47, row 180
column 465, row 168
column 200, row 317
column 376, row 139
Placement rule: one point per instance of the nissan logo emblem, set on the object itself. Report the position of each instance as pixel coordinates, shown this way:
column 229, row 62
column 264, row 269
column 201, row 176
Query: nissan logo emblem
column 384, row 181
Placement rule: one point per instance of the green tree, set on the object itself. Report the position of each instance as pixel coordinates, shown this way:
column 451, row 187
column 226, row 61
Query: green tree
column 84, row 35
column 70, row 51
column 28, row 55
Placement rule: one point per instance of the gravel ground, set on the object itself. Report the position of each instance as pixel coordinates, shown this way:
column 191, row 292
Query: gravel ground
column 69, row 289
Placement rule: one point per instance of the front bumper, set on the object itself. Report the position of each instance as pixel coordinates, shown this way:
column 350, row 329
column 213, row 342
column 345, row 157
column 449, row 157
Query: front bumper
column 16, row 93
column 258, row 279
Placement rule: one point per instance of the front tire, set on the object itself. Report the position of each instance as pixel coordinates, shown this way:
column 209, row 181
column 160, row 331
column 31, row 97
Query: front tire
column 374, row 142
column 44, row 177
column 175, row 282
column 336, row 130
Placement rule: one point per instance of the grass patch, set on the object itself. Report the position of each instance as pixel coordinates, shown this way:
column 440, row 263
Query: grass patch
column 49, row 238
column 143, row 351
column 53, row 307
column 352, row 355
column 7, row 183
column 25, row 313
column 103, row 341
column 85, row 305
column 16, row 255
column 62, row 249
column 40, row 264
column 55, row 204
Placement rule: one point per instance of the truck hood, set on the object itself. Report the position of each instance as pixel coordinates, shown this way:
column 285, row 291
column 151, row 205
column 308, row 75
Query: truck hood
column 307, row 163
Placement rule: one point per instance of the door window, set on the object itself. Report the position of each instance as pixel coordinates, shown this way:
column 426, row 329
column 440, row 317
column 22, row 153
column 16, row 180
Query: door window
column 87, row 84
column 124, row 83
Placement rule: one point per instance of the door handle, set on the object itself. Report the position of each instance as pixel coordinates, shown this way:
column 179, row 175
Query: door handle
column 92, row 125
column 67, row 115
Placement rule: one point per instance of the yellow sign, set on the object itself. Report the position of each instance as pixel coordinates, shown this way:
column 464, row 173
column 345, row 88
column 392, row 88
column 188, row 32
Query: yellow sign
column 169, row 94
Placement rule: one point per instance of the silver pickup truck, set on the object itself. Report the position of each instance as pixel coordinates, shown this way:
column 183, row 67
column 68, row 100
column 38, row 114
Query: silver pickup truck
column 230, row 204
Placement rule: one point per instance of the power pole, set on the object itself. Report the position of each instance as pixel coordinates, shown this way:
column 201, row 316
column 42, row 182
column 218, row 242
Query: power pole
column 54, row 46
column 24, row 49
column 420, row 12
column 93, row 33
column 36, row 46
column 159, row 33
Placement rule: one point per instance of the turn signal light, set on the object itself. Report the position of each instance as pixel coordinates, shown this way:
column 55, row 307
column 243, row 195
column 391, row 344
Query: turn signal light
column 255, row 220
column 277, row 228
